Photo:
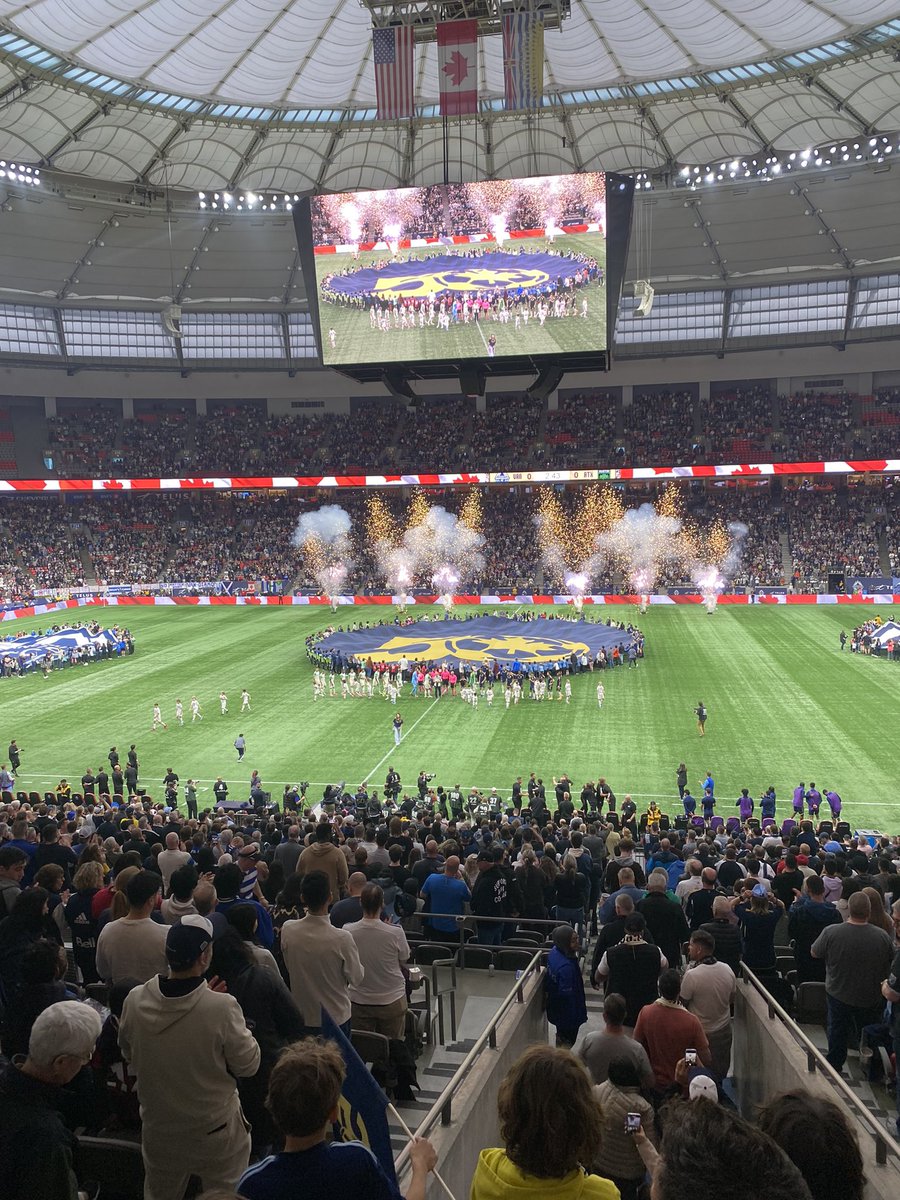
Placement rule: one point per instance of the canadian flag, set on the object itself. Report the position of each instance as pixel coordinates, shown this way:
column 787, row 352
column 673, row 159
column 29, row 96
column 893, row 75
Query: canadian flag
column 458, row 67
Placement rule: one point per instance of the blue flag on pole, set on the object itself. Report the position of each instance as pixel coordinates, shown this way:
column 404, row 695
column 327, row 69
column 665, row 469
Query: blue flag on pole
column 362, row 1113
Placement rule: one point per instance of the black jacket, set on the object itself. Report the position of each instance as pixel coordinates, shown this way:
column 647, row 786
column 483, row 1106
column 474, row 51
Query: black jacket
column 36, row 1149
column 490, row 895
column 665, row 920
column 634, row 970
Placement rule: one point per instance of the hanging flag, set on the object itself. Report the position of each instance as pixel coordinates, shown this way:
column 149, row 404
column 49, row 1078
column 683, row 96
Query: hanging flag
column 392, row 50
column 458, row 67
column 523, row 59
column 362, row 1115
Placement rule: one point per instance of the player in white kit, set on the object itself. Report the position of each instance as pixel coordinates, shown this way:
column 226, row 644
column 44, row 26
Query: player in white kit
column 223, row 703
column 601, row 692
column 157, row 719
column 245, row 701
column 196, row 715
column 179, row 712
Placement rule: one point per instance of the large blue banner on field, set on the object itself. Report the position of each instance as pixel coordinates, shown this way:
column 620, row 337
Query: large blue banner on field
column 446, row 274
column 546, row 641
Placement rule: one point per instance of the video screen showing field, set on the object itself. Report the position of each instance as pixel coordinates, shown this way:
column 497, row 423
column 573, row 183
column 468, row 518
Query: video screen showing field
column 474, row 270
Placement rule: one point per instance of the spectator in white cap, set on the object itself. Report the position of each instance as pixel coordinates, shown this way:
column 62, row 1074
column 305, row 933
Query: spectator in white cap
column 187, row 1044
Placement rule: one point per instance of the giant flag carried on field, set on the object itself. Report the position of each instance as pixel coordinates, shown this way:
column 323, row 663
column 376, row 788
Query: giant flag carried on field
column 392, row 50
column 523, row 59
column 362, row 1115
column 458, row 67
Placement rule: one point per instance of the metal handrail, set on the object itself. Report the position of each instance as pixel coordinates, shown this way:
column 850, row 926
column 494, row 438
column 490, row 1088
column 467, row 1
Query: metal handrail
column 816, row 1060
column 442, row 1107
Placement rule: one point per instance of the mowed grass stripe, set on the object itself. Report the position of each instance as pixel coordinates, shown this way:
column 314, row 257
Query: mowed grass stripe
column 784, row 705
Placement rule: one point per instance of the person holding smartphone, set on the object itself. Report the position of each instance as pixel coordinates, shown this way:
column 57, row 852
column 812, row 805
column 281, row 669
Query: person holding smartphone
column 629, row 1134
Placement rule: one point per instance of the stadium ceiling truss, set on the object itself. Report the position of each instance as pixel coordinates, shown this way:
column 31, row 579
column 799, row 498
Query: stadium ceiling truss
column 629, row 86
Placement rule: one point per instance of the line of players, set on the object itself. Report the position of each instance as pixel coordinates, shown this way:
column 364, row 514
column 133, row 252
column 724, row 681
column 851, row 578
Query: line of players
column 195, row 710
column 467, row 309
column 435, row 683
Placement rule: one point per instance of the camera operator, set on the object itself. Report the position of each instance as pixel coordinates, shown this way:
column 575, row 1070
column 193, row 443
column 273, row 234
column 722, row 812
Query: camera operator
column 392, row 785
column 422, row 784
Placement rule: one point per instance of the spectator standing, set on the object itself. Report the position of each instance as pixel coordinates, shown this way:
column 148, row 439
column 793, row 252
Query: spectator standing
column 350, row 908
column 315, row 940
column 447, row 892
column 759, row 920
column 857, row 958
column 37, row 1150
column 288, row 852
column 176, row 1028
column 807, row 917
column 598, row 1049
column 564, row 986
column 13, row 862
column 707, row 990
column 324, row 855
column 665, row 917
column 551, row 1125
column 666, row 1029
column 304, row 1095
column 171, row 859
column 632, row 968
column 621, row 1157
column 729, row 945
column 134, row 946
column 379, row 998
column 490, row 896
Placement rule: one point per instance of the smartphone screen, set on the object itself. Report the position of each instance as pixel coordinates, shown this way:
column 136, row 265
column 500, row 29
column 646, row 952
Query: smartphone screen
column 632, row 1122
column 690, row 1057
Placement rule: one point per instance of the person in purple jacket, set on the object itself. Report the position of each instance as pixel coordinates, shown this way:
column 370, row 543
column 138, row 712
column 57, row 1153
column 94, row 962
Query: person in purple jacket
column 799, row 797
column 813, row 800
column 834, row 803
column 745, row 804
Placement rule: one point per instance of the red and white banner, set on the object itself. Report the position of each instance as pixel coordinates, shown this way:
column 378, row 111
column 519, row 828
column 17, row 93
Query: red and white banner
column 212, row 483
column 38, row 610
column 457, row 43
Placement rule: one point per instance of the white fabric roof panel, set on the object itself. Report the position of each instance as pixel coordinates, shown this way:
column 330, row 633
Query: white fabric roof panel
column 309, row 51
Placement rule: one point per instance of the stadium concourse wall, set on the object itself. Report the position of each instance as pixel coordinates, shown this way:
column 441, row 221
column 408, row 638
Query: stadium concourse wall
column 101, row 601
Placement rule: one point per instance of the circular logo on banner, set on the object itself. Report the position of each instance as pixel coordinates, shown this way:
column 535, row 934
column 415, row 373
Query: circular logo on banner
column 466, row 279
column 478, row 648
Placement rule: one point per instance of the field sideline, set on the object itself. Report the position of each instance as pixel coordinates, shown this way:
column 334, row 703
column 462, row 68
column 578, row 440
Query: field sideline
column 784, row 705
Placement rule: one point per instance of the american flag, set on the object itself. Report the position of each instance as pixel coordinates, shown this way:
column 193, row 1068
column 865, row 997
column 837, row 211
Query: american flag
column 392, row 49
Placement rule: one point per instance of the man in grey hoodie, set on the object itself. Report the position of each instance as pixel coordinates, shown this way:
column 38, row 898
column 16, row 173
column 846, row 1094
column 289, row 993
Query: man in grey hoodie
column 186, row 1045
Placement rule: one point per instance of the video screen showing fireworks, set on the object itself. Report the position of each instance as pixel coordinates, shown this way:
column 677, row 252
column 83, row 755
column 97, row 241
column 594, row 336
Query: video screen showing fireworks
column 496, row 269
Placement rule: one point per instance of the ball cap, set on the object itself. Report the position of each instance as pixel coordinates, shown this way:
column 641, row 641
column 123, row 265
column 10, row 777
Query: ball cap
column 758, row 890
column 187, row 940
column 703, row 1086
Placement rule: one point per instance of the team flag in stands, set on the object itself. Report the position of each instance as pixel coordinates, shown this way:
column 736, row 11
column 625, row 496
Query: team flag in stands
column 458, row 67
column 392, row 49
column 523, row 59
column 362, row 1108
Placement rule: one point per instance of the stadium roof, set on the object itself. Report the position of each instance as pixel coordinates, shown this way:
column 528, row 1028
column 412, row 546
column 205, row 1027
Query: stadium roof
column 281, row 94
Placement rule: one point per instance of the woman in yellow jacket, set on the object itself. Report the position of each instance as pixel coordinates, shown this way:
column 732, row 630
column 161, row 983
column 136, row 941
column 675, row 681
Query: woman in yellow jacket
column 551, row 1124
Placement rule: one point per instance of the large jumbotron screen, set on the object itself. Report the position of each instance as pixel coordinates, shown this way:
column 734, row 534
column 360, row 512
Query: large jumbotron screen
column 502, row 268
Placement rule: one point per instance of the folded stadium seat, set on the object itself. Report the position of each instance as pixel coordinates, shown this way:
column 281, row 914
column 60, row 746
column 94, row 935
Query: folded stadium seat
column 373, row 1048
column 810, row 1003
column 664, row 823
column 479, row 957
column 716, row 824
column 77, row 798
column 6, row 797
column 769, row 823
column 514, row 960
column 49, row 798
column 826, row 827
column 732, row 825
column 526, row 935
column 428, row 953
column 698, row 822
column 787, row 825
column 114, row 1163
column 842, row 830
column 30, row 797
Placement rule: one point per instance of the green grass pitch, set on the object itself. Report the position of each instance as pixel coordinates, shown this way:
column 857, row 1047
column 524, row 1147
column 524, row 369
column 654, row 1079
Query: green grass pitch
column 357, row 342
column 784, row 705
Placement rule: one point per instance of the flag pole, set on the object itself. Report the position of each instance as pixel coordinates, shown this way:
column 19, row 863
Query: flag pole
column 409, row 1133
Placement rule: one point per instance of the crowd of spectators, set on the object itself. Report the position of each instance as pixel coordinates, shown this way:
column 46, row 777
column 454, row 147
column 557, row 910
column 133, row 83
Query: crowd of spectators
column 831, row 531
column 81, row 440
column 287, row 914
column 154, row 445
column 169, row 538
column 817, row 424
column 660, row 429
column 737, row 423
column 666, row 426
column 581, row 431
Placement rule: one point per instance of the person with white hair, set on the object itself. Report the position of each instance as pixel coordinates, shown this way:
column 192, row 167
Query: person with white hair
column 36, row 1147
